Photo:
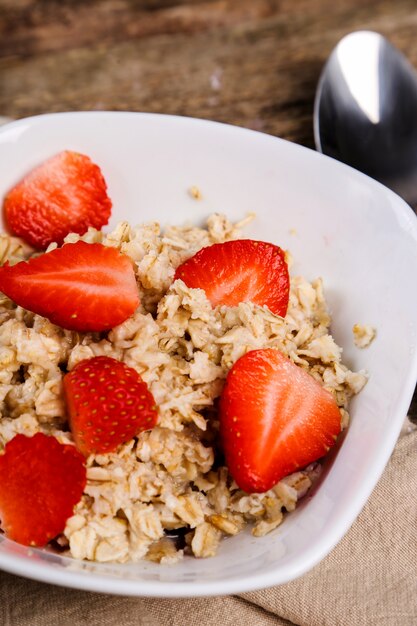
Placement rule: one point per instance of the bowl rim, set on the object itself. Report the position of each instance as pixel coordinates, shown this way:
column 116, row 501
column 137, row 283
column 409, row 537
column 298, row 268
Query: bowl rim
column 48, row 573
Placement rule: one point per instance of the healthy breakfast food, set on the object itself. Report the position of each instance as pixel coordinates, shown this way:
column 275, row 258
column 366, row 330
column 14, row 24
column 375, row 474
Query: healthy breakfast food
column 274, row 419
column 102, row 401
column 81, row 286
column 240, row 271
column 65, row 194
column 41, row 482
column 193, row 386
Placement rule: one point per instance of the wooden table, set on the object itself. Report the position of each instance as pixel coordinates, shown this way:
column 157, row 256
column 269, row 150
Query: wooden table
column 254, row 63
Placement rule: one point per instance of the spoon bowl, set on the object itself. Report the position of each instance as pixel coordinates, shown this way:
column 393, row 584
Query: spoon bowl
column 365, row 112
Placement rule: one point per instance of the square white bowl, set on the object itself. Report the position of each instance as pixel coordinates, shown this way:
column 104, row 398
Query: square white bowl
column 339, row 224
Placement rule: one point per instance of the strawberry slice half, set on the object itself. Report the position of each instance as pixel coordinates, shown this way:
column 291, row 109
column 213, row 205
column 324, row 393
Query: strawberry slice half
column 108, row 404
column 67, row 193
column 41, row 481
column 274, row 419
column 81, row 286
column 240, row 271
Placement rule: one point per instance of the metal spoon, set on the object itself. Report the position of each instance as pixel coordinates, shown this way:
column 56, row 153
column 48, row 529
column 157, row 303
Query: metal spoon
column 365, row 112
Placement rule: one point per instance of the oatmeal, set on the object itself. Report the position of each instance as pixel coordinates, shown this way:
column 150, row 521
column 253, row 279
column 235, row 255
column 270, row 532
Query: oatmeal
column 363, row 335
column 171, row 478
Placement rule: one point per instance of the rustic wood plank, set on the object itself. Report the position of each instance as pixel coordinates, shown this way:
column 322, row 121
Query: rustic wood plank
column 254, row 63
column 34, row 28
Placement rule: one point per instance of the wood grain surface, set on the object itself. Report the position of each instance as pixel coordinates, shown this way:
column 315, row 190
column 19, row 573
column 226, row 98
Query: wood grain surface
column 253, row 63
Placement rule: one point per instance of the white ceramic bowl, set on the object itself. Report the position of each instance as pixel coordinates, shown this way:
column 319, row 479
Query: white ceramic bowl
column 339, row 224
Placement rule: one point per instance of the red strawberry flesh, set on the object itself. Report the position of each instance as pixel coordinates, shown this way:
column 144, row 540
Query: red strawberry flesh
column 41, row 480
column 67, row 193
column 275, row 418
column 108, row 404
column 240, row 271
column 81, row 286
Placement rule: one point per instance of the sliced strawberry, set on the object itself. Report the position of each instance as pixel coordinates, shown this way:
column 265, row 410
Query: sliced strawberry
column 65, row 194
column 41, row 480
column 240, row 271
column 274, row 419
column 108, row 404
column 81, row 286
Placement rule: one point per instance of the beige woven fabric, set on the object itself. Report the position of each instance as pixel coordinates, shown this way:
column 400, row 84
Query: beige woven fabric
column 369, row 579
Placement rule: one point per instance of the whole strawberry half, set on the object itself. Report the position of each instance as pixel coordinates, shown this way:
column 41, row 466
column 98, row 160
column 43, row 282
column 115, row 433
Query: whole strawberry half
column 41, row 480
column 274, row 419
column 240, row 271
column 81, row 286
column 67, row 193
column 108, row 404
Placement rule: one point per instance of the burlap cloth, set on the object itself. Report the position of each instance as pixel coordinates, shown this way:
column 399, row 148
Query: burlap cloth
column 369, row 579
